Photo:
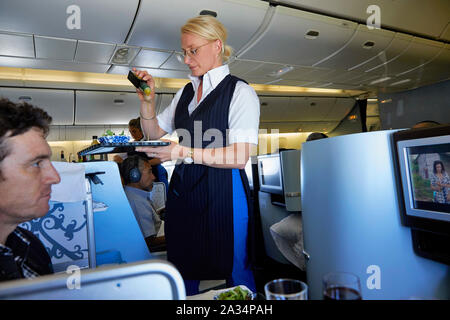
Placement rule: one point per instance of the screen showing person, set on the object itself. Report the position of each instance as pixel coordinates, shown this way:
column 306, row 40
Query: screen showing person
column 430, row 182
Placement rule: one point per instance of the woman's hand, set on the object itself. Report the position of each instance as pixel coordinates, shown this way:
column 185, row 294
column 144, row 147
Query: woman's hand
column 171, row 152
column 144, row 75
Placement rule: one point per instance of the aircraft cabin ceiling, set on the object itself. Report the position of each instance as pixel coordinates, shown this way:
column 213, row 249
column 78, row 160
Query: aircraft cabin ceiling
column 299, row 43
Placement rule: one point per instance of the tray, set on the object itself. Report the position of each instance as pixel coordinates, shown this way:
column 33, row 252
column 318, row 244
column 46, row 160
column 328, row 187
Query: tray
column 103, row 148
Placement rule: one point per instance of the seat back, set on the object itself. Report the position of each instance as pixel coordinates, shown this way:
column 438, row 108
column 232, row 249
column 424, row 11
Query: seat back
column 158, row 196
column 67, row 230
column 144, row 280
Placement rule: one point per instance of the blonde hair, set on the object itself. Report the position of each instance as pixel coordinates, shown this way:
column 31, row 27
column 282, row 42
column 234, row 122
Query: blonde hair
column 211, row 29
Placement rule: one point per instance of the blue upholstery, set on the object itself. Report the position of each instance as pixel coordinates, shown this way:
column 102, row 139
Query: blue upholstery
column 63, row 232
column 117, row 234
column 118, row 239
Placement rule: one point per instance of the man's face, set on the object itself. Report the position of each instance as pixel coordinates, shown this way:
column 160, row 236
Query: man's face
column 27, row 177
column 147, row 176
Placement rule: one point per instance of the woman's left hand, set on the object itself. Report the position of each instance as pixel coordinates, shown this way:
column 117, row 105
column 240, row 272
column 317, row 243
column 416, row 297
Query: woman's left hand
column 171, row 152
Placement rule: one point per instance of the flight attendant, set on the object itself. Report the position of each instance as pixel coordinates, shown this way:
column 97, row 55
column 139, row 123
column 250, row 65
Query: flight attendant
column 216, row 117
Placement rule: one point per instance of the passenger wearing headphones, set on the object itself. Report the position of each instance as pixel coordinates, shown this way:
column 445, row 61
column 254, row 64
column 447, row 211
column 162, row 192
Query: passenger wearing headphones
column 138, row 179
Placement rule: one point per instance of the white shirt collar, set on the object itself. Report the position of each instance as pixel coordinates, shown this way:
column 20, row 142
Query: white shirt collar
column 212, row 78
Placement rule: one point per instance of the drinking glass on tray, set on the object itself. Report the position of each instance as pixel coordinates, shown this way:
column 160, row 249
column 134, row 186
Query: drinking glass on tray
column 341, row 286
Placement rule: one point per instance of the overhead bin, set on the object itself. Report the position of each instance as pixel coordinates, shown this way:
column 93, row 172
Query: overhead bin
column 240, row 67
column 151, row 58
column 55, row 48
column 94, row 52
column 20, row 45
column 59, row 104
column 286, row 40
column 341, row 109
column 411, row 16
column 304, row 108
column 158, row 73
column 317, row 126
column 275, row 109
column 52, row 64
column 114, row 108
column 309, row 74
column 437, row 69
column 264, row 72
column 99, row 20
column 419, row 52
column 158, row 22
column 396, row 47
column 364, row 45
column 173, row 63
column 445, row 35
column 299, row 126
column 311, row 109
column 296, row 83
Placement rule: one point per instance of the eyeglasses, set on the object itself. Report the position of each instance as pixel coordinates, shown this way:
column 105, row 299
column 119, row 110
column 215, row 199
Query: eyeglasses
column 191, row 53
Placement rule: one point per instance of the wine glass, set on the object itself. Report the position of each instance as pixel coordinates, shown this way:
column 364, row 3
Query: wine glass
column 341, row 286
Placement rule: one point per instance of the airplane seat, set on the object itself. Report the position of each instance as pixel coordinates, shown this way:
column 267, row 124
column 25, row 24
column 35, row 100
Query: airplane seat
column 66, row 230
column 64, row 233
column 158, row 197
column 271, row 214
column 118, row 238
column 143, row 280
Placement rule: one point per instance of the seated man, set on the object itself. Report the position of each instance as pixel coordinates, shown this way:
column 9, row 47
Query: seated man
column 26, row 177
column 160, row 173
column 138, row 178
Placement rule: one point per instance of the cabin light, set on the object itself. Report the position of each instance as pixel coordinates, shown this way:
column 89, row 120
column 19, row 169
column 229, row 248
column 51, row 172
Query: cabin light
column 372, row 100
column 280, row 72
column 312, row 34
column 380, row 80
column 353, row 117
column 400, row 82
column 386, row 101
column 121, row 56
column 208, row 13
column 369, row 45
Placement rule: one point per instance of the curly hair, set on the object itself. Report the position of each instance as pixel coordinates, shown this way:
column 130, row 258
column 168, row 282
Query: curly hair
column 16, row 119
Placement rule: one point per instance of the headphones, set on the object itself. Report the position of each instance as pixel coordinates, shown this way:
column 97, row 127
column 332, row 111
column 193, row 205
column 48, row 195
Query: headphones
column 135, row 174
